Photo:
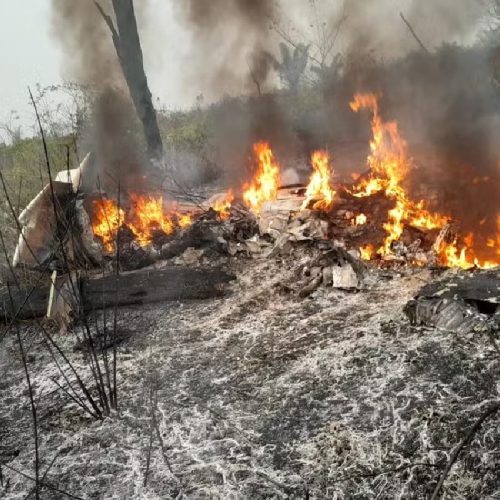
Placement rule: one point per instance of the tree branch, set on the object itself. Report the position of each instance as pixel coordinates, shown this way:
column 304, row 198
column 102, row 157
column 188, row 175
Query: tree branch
column 465, row 441
column 412, row 31
column 111, row 26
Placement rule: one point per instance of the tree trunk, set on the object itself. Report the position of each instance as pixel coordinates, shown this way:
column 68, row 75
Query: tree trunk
column 128, row 47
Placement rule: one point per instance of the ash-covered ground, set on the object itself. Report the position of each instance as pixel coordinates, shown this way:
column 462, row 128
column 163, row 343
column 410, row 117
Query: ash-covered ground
column 262, row 395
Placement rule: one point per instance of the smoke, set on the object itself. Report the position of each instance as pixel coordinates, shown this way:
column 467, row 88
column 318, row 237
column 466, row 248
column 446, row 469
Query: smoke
column 85, row 40
column 228, row 40
column 375, row 25
column 90, row 59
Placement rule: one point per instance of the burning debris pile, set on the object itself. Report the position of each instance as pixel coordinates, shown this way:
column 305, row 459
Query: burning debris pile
column 374, row 218
column 332, row 232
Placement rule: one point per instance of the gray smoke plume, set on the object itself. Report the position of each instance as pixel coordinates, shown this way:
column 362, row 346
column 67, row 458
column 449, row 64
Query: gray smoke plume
column 375, row 25
column 85, row 40
column 228, row 37
column 90, row 59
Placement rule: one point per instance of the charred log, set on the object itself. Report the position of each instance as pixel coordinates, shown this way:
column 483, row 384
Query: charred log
column 134, row 288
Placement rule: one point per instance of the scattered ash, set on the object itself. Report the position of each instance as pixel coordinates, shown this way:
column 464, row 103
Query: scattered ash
column 264, row 394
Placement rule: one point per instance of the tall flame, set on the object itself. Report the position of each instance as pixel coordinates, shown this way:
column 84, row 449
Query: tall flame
column 319, row 188
column 266, row 183
column 389, row 165
column 388, row 159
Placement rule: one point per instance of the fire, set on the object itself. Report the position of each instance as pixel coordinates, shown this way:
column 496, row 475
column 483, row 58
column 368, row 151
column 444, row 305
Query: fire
column 108, row 218
column 367, row 252
column 184, row 220
column 266, row 183
column 422, row 219
column 223, row 206
column 464, row 256
column 389, row 164
column 388, row 160
column 319, row 189
column 147, row 216
column 360, row 220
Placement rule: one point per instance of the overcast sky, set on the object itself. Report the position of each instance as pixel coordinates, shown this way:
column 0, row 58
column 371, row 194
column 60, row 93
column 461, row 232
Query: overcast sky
column 30, row 55
column 27, row 54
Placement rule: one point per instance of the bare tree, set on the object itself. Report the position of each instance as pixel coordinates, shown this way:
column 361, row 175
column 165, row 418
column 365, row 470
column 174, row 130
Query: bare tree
column 128, row 47
column 320, row 38
column 292, row 66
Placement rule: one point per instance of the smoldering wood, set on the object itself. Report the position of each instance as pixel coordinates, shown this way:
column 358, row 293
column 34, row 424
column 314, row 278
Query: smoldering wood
column 134, row 288
column 199, row 235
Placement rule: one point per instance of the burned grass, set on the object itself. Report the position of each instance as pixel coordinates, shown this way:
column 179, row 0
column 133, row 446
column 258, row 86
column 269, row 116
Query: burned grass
column 265, row 395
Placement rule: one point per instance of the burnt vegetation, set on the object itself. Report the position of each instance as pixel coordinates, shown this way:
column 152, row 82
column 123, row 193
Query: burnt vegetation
column 188, row 312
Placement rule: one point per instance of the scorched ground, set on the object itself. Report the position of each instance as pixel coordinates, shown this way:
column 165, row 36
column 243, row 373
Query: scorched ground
column 264, row 394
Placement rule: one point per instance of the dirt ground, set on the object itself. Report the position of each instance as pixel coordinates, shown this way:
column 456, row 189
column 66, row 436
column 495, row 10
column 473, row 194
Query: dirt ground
column 262, row 395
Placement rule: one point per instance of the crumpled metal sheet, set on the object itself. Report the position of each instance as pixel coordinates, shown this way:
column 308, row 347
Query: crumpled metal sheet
column 452, row 315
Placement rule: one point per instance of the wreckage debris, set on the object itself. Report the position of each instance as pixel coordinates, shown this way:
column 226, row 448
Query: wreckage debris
column 72, row 225
column 461, row 304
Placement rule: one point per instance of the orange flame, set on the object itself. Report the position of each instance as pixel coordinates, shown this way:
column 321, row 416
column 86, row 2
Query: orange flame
column 266, row 183
column 451, row 255
column 367, row 252
column 108, row 218
column 464, row 256
column 147, row 216
column 223, row 206
column 422, row 219
column 184, row 220
column 389, row 164
column 319, row 188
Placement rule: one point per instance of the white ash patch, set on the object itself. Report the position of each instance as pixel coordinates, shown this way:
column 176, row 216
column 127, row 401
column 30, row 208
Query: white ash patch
column 264, row 395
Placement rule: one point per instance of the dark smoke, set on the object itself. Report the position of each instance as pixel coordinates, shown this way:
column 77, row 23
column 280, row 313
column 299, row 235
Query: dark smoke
column 85, row 40
column 229, row 38
column 90, row 59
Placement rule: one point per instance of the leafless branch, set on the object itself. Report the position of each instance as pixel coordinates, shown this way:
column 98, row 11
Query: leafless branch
column 111, row 26
column 412, row 31
column 45, row 485
column 495, row 407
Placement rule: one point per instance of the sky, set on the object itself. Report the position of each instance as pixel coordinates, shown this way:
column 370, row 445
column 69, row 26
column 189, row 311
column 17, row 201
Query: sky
column 29, row 55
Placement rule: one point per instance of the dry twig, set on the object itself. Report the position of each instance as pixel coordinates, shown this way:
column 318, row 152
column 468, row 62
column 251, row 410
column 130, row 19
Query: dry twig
column 412, row 31
column 465, row 441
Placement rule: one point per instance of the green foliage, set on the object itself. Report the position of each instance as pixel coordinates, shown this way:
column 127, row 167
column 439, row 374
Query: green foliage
column 185, row 131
